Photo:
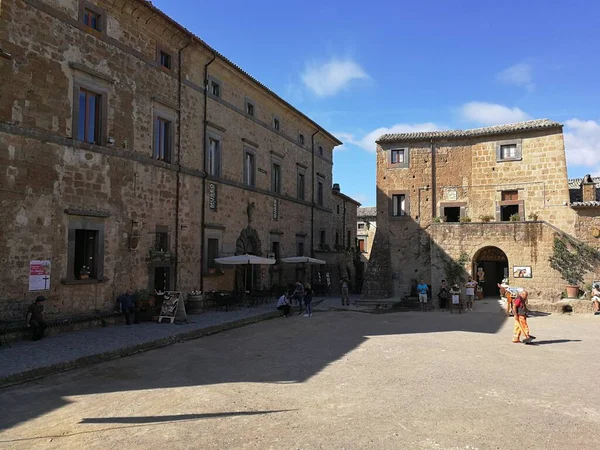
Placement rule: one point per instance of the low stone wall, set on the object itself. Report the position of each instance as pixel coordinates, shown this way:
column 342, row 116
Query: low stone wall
column 564, row 306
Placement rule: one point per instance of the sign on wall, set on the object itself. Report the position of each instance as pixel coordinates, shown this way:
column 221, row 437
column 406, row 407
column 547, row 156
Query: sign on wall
column 451, row 194
column 212, row 196
column 39, row 275
column 275, row 209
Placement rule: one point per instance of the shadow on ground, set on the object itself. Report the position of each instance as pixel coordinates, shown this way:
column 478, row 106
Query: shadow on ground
column 284, row 350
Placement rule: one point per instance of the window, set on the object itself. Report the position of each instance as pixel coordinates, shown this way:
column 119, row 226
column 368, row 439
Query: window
column 86, row 254
column 163, row 139
column 276, row 178
column 300, row 246
column 452, row 214
column 90, row 117
column 275, row 249
column 249, row 108
column 215, row 88
column 165, row 59
column 320, row 193
column 276, row 124
column 337, row 238
column 398, row 156
column 362, row 245
column 510, row 206
column 320, row 150
column 212, row 246
column 338, row 209
column 399, row 205
column 323, row 237
column 249, row 169
column 508, row 151
column 162, row 239
column 301, row 139
column 92, row 19
column 213, row 163
column 300, row 183
column 361, row 225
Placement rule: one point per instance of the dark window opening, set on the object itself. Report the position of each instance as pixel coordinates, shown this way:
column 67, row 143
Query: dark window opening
column 275, row 249
column 249, row 109
column 276, row 124
column 320, row 150
column 162, row 241
column 399, row 205
column 322, row 241
column 276, row 179
column 92, row 20
column 320, row 193
column 300, row 248
column 397, row 156
column 215, row 89
column 249, row 169
column 214, row 157
column 452, row 214
column 90, row 113
column 361, row 226
column 301, row 186
column 338, row 209
column 165, row 59
column 337, row 238
column 163, row 130
column 507, row 211
column 86, row 253
column 301, row 139
column 212, row 252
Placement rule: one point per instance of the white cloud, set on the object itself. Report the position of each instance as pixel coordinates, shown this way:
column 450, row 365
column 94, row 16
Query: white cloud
column 518, row 75
column 582, row 143
column 486, row 114
column 367, row 142
column 329, row 78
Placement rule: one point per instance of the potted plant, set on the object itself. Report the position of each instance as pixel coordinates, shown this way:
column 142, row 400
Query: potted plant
column 439, row 219
column 533, row 216
column 465, row 219
column 515, row 218
column 572, row 260
column 486, row 218
column 84, row 273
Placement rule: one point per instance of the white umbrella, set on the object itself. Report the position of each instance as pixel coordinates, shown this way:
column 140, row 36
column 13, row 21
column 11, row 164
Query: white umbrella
column 302, row 259
column 245, row 260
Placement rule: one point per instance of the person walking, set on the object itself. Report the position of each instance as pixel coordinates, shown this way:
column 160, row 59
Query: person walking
column 35, row 318
column 443, row 295
column 127, row 306
column 283, row 304
column 470, row 293
column 422, row 290
column 519, row 306
column 298, row 295
column 308, row 296
column 345, row 292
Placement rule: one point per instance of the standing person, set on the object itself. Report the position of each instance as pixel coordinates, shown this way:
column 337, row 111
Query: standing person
column 470, row 293
column 422, row 290
column 283, row 304
column 127, row 306
column 308, row 293
column 345, row 292
column 596, row 299
column 443, row 295
column 35, row 318
column 298, row 295
column 519, row 306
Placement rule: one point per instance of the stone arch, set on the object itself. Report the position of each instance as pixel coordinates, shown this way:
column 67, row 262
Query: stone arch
column 249, row 243
column 490, row 266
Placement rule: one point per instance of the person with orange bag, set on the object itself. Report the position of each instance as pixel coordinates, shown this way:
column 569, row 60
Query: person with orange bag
column 519, row 308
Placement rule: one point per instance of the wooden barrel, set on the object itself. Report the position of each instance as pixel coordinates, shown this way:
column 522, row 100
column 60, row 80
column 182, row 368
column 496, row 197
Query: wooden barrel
column 195, row 304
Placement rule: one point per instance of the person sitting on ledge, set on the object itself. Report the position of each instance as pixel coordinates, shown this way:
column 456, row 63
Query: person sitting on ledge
column 283, row 304
column 596, row 299
column 35, row 318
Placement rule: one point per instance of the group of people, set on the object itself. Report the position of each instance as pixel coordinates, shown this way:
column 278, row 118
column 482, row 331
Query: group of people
column 301, row 294
column 447, row 294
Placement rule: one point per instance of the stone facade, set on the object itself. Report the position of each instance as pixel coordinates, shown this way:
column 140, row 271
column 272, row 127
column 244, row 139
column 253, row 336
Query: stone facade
column 494, row 196
column 164, row 175
column 366, row 227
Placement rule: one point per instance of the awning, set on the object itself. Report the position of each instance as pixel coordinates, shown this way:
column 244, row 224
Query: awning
column 244, row 259
column 302, row 259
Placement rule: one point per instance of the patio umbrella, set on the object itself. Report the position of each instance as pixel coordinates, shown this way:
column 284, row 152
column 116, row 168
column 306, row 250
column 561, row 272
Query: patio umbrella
column 245, row 260
column 302, row 259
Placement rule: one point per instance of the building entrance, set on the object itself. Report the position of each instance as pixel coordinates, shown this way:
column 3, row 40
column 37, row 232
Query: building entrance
column 490, row 266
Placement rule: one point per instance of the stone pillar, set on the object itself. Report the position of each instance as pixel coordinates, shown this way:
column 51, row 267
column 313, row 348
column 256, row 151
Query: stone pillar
column 588, row 189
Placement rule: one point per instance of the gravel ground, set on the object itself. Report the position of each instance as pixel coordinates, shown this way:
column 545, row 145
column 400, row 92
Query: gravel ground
column 342, row 380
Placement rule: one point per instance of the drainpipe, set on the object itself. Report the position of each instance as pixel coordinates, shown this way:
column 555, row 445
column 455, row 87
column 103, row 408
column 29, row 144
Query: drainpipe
column 203, row 196
column 433, row 182
column 312, row 203
column 178, row 188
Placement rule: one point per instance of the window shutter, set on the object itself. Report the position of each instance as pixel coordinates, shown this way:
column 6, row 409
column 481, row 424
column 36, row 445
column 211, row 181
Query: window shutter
column 498, row 152
column 498, row 213
column 519, row 152
column 463, row 211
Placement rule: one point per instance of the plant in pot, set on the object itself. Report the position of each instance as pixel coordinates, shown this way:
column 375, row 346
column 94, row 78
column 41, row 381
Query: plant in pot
column 439, row 219
column 486, row 218
column 84, row 273
column 534, row 217
column 515, row 218
column 572, row 260
column 465, row 219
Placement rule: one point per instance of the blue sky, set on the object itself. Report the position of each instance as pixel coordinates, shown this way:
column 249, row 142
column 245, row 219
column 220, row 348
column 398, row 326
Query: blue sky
column 360, row 69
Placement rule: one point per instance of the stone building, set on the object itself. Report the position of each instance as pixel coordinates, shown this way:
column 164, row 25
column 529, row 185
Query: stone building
column 366, row 226
column 132, row 154
column 492, row 199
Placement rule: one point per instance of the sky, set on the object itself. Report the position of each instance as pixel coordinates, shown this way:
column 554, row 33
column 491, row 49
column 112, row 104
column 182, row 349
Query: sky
column 362, row 69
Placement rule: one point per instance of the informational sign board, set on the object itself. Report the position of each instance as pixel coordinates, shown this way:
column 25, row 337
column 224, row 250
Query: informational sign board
column 455, row 299
column 39, row 275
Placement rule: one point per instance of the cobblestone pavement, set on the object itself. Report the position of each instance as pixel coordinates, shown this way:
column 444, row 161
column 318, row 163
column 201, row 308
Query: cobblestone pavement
column 342, row 380
column 27, row 355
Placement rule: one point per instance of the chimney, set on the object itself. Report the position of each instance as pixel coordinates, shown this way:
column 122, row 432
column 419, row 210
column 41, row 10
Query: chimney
column 588, row 189
column 336, row 187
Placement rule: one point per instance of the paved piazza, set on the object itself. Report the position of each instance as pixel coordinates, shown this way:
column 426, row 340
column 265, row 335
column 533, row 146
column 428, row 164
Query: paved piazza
column 339, row 380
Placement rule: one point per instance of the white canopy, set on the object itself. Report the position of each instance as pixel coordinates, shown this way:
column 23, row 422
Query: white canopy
column 302, row 259
column 244, row 259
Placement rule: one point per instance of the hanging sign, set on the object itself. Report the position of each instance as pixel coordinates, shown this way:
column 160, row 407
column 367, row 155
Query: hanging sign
column 39, row 275
column 212, row 196
column 275, row 209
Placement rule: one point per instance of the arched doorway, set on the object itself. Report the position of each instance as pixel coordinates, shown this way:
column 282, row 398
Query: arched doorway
column 490, row 266
column 249, row 243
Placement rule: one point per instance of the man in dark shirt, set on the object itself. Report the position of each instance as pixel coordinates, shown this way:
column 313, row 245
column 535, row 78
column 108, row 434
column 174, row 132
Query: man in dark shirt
column 127, row 306
column 35, row 318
